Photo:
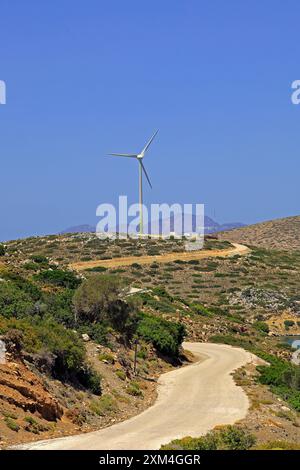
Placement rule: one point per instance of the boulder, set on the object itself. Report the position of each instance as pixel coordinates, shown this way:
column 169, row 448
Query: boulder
column 85, row 337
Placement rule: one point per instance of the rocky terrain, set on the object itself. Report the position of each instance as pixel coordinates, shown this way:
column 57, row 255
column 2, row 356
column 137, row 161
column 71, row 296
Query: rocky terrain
column 35, row 406
column 247, row 301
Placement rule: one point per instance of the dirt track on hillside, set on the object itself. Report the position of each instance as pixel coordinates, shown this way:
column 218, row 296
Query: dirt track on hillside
column 191, row 401
column 237, row 249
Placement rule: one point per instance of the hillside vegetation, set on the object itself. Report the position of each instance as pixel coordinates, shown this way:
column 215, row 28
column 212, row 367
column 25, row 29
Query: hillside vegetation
column 72, row 336
column 280, row 234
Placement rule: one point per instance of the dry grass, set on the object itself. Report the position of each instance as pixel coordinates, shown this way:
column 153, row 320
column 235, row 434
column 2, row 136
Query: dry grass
column 280, row 234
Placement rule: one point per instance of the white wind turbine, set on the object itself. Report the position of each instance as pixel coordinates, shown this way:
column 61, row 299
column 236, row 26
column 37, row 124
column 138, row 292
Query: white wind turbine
column 139, row 157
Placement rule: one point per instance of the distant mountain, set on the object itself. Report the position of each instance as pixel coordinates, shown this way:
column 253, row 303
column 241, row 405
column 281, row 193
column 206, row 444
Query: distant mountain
column 210, row 226
column 79, row 229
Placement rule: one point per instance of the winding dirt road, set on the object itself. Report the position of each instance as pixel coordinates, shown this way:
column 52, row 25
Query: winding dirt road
column 191, row 401
column 236, row 249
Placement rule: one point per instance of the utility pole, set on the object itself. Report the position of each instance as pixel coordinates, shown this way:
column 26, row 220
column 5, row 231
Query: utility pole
column 135, row 342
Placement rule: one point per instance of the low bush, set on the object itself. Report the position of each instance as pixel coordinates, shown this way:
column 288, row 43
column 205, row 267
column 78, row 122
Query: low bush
column 283, row 378
column 201, row 310
column 234, row 341
column 40, row 259
column 18, row 282
column 97, row 269
column 278, row 445
column 136, row 266
column 234, row 438
column 288, row 324
column 134, row 389
column 104, row 405
column 89, row 379
column 97, row 332
column 165, row 336
column 15, row 302
column 226, row 438
column 261, row 326
column 11, row 424
column 121, row 374
column 32, row 425
column 106, row 357
column 47, row 336
column 59, row 277
column 59, row 306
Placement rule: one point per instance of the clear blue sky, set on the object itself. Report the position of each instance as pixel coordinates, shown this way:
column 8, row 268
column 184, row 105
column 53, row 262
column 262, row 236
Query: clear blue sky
column 89, row 77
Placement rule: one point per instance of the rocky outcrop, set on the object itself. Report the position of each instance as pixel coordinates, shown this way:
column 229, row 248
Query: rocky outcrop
column 22, row 388
column 253, row 297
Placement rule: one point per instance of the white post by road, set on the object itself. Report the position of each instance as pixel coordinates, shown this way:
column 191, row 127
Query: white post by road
column 2, row 352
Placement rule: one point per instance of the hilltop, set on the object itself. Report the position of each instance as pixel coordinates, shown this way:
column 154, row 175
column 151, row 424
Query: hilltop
column 279, row 234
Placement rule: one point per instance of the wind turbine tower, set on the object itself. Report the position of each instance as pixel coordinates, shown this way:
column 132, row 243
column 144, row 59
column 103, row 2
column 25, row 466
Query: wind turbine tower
column 139, row 157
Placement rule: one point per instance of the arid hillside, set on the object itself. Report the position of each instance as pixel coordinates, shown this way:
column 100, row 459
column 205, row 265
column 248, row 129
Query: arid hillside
column 279, row 234
column 71, row 337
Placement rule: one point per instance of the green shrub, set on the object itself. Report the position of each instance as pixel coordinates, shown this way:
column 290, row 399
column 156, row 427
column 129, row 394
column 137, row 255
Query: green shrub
column 9, row 414
column 226, row 438
column 201, row 310
column 11, row 424
column 278, row 445
column 47, row 336
column 90, row 379
column 134, row 389
column 59, row 277
column 19, row 282
column 59, row 306
column 2, row 249
column 164, row 305
column 40, row 259
column 136, row 266
column 234, row 438
column 154, row 266
column 106, row 357
column 104, row 405
column 97, row 269
column 161, row 292
column 288, row 324
column 283, row 378
column 233, row 341
column 32, row 425
column 142, row 353
column 165, row 336
column 261, row 326
column 208, row 442
column 97, row 332
column 14, row 302
column 121, row 374
column 98, row 301
column 92, row 299
column 30, row 266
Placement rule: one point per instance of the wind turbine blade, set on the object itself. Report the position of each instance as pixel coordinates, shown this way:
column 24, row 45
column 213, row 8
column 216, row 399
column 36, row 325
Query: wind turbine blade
column 149, row 143
column 144, row 169
column 131, row 155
